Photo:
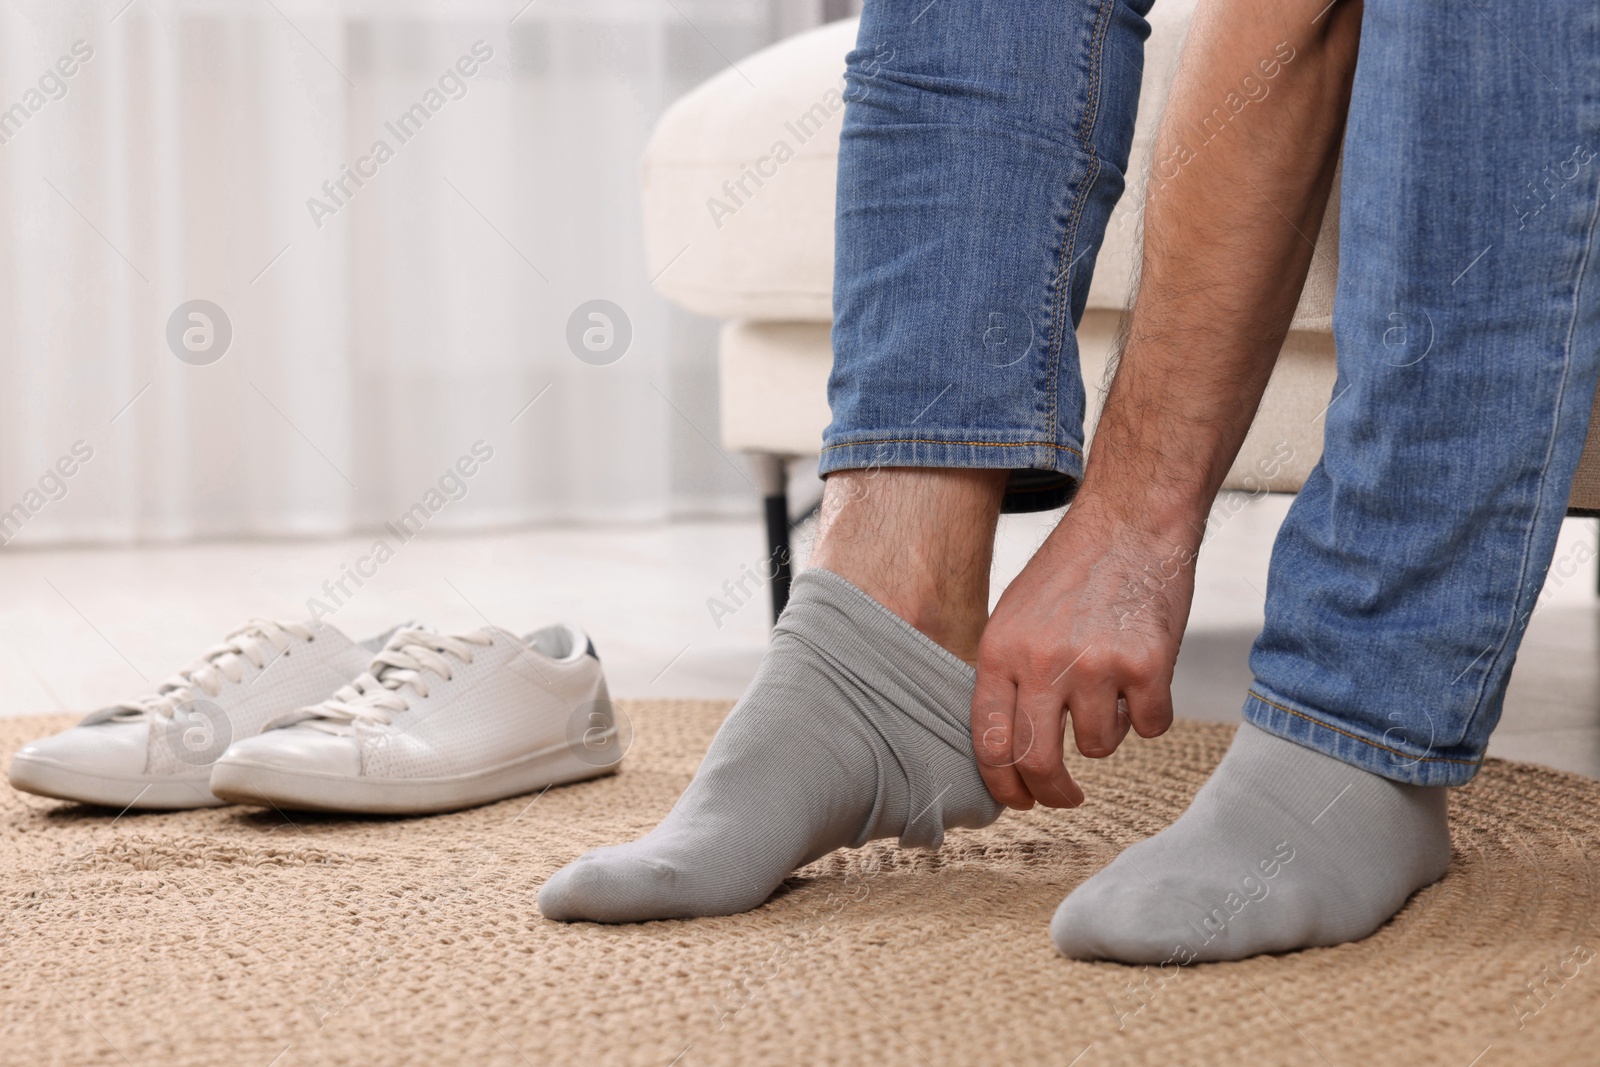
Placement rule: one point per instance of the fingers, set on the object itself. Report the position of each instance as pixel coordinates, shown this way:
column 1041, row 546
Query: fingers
column 1098, row 723
column 1021, row 706
column 1037, row 745
column 1150, row 706
column 993, row 712
column 1129, row 685
column 1017, row 734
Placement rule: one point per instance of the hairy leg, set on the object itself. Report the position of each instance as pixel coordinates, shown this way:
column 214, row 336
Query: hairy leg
column 919, row 541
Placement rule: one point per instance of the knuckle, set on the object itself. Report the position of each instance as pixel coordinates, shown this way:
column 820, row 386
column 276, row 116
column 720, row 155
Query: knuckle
column 1037, row 765
column 1096, row 663
column 992, row 737
column 995, row 654
column 1139, row 665
column 1150, row 711
column 993, row 751
column 1040, row 668
column 1152, row 723
column 1158, row 671
column 990, row 649
column 1094, row 732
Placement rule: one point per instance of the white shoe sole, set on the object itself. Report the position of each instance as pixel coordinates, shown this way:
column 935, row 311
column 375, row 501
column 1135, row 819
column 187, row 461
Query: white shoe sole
column 47, row 778
column 269, row 785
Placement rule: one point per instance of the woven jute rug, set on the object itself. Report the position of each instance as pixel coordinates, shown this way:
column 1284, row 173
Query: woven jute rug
column 240, row 937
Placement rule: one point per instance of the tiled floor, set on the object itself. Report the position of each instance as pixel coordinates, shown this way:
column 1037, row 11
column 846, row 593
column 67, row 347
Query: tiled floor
column 79, row 628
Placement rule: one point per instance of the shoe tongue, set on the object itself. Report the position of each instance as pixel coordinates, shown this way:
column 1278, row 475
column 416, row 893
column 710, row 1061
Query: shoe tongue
column 414, row 624
column 377, row 642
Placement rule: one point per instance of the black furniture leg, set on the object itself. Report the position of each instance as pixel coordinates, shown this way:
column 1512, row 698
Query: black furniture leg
column 773, row 473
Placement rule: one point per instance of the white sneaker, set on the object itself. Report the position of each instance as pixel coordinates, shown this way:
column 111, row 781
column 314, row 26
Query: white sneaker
column 157, row 752
column 438, row 723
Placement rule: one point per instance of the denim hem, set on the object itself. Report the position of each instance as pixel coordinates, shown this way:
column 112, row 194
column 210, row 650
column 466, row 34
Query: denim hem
column 929, row 450
column 1391, row 756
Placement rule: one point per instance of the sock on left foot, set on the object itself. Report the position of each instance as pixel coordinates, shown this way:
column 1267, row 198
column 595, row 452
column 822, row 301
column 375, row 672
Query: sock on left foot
column 1283, row 848
column 854, row 729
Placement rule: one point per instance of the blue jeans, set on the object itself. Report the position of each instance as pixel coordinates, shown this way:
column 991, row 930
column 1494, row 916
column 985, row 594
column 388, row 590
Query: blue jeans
column 984, row 146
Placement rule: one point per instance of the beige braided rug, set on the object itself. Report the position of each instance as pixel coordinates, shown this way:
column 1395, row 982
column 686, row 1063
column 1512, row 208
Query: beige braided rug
column 230, row 936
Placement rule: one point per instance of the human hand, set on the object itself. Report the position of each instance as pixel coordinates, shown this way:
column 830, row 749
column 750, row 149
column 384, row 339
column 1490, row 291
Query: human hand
column 1089, row 631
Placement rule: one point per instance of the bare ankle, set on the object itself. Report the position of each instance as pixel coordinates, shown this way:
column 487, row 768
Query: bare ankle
column 920, row 541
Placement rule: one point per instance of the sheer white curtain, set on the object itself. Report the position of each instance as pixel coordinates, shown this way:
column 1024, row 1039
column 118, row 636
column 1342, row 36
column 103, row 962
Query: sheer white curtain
column 379, row 330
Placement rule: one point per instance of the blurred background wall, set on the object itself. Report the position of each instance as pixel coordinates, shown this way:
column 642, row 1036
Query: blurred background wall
column 200, row 151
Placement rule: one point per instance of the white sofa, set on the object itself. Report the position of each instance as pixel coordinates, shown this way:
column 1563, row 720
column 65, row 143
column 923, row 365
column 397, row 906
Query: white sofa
column 738, row 191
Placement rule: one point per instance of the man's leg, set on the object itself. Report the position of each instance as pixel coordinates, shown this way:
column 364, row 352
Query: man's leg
column 918, row 541
column 983, row 149
column 1468, row 331
column 850, row 731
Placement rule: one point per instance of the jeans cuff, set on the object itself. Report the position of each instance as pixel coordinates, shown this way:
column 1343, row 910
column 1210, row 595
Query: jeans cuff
column 1394, row 755
column 853, row 452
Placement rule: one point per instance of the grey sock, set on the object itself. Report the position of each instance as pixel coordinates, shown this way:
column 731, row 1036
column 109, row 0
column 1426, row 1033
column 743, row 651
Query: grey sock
column 1283, row 848
column 855, row 728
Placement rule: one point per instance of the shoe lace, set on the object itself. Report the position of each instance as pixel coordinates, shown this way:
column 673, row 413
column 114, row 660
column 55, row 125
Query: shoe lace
column 403, row 664
column 258, row 642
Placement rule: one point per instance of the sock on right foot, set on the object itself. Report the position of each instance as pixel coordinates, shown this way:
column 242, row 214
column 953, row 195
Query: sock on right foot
column 1283, row 848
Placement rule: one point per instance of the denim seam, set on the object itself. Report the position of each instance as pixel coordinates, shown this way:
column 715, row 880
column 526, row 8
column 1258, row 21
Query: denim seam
column 1069, row 235
column 935, row 441
column 1357, row 737
column 1544, row 467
